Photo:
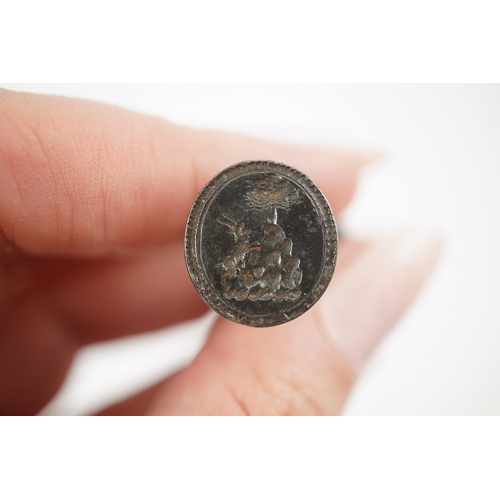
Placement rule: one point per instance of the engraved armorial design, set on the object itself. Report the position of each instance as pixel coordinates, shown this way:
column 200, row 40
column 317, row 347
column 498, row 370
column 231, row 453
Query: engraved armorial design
column 265, row 268
column 238, row 243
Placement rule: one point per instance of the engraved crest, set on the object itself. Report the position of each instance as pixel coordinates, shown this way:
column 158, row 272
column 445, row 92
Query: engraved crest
column 264, row 269
column 254, row 275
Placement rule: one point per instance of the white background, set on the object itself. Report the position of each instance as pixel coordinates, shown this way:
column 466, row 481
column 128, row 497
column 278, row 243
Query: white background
column 441, row 169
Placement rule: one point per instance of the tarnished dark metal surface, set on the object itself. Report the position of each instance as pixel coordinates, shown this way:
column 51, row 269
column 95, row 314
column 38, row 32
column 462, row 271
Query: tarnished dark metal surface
column 261, row 243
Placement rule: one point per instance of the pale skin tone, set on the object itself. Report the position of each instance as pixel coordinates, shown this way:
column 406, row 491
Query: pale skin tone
column 93, row 205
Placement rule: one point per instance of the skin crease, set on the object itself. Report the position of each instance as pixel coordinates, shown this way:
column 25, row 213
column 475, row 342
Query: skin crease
column 93, row 204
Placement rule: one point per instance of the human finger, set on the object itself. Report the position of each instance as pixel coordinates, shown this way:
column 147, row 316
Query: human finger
column 139, row 403
column 105, row 300
column 306, row 366
column 84, row 178
column 121, row 296
column 46, row 317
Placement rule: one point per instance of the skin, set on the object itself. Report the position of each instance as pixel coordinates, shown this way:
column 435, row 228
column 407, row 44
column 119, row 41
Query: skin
column 93, row 204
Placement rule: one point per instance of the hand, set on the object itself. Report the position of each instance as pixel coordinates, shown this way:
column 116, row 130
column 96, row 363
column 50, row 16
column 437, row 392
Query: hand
column 93, row 204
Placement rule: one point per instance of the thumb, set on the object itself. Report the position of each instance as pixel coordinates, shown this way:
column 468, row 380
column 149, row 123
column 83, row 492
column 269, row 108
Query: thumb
column 306, row 366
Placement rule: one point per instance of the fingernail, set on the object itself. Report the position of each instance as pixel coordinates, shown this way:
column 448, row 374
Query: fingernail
column 372, row 293
column 363, row 159
column 370, row 158
column 410, row 245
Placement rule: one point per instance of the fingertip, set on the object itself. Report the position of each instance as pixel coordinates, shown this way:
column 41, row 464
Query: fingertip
column 374, row 290
column 421, row 246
